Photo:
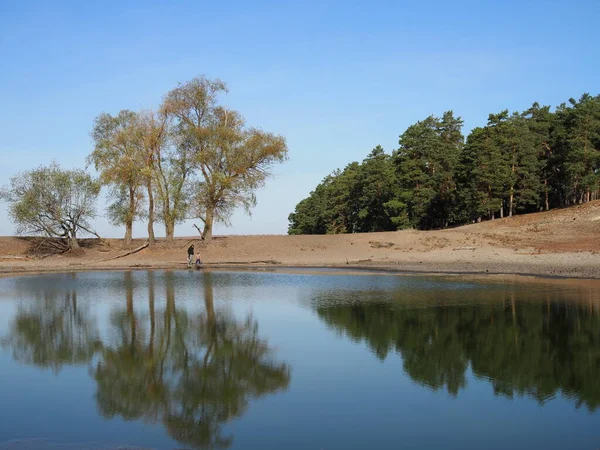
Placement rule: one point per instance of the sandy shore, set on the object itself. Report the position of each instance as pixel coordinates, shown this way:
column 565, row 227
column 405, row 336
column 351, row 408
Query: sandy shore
column 563, row 243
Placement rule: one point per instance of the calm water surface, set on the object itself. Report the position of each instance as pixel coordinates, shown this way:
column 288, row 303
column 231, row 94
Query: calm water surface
column 245, row 360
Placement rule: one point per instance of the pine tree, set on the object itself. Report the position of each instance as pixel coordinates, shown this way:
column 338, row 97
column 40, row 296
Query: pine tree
column 580, row 146
column 522, row 156
column 376, row 186
column 518, row 163
column 542, row 124
column 425, row 162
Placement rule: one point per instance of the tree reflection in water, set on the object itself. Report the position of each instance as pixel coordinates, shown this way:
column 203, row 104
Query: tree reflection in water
column 193, row 373
column 51, row 330
column 539, row 349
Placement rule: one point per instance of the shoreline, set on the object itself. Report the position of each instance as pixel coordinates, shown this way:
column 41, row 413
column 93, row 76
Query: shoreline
column 562, row 243
column 395, row 269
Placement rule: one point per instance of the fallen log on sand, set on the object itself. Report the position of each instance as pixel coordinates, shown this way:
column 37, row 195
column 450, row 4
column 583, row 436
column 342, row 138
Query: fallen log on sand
column 131, row 252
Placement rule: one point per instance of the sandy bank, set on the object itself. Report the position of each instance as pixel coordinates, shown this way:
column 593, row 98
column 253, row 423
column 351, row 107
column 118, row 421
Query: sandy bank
column 563, row 243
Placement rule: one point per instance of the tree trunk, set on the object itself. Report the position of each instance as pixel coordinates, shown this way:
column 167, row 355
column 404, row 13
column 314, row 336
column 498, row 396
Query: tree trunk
column 129, row 220
column 513, row 308
column 152, row 313
column 589, row 196
column 170, row 295
column 73, row 243
column 510, row 202
column 169, row 229
column 208, row 298
column 130, row 311
column 502, row 212
column 208, row 225
column 74, row 302
column 128, row 233
column 151, row 238
column 547, row 202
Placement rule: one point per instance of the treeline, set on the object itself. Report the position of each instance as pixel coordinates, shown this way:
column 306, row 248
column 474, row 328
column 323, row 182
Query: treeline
column 518, row 163
column 192, row 158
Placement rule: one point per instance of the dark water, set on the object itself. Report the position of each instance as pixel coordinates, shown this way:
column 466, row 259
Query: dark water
column 289, row 361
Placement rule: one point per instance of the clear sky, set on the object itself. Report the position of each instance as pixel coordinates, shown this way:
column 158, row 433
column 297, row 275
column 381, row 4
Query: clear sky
column 335, row 77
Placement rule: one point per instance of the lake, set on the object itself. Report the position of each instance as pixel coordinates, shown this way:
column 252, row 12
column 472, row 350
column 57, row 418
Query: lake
column 327, row 360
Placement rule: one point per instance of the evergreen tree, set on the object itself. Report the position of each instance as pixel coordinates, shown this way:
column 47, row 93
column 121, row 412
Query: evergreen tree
column 518, row 163
column 482, row 172
column 375, row 188
column 579, row 145
column 542, row 124
column 425, row 162
column 524, row 168
column 331, row 207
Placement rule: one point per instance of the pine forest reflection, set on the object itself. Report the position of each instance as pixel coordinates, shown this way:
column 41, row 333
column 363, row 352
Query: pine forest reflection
column 539, row 348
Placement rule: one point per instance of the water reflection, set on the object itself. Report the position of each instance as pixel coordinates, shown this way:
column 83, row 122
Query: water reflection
column 538, row 348
column 53, row 331
column 191, row 372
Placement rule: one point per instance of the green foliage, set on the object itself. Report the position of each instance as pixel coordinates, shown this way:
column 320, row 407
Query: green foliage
column 53, row 202
column 542, row 125
column 231, row 160
column 52, row 330
column 525, row 165
column 167, row 169
column 579, row 146
column 534, row 348
column 425, row 165
column 192, row 373
column 195, row 156
column 375, row 188
column 516, row 163
column 500, row 167
column 119, row 157
column 331, row 209
column 362, row 197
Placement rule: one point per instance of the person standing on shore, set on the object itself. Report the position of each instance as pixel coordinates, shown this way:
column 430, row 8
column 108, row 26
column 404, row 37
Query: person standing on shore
column 190, row 255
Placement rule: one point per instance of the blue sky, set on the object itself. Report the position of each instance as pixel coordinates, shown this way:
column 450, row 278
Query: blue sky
column 336, row 78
